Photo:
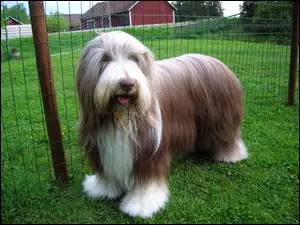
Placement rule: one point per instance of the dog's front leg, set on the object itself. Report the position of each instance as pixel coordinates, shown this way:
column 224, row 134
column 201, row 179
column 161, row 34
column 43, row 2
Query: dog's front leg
column 150, row 191
column 145, row 200
column 96, row 186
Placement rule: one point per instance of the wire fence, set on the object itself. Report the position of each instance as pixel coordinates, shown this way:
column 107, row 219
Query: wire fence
column 255, row 44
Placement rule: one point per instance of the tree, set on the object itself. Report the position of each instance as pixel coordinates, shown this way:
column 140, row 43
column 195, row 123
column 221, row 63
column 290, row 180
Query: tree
column 4, row 50
column 192, row 10
column 280, row 10
column 56, row 22
column 3, row 15
column 275, row 10
column 247, row 10
column 17, row 11
column 214, row 8
column 264, row 14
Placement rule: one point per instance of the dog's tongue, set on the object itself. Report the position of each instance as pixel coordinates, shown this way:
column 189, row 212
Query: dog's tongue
column 123, row 100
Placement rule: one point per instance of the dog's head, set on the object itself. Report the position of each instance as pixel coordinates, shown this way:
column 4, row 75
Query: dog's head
column 114, row 74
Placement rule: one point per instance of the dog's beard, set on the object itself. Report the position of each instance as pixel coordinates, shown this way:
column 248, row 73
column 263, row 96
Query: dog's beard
column 124, row 117
column 123, row 114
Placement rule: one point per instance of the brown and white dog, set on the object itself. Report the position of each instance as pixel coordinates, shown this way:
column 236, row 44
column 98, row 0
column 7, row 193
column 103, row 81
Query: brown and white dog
column 135, row 112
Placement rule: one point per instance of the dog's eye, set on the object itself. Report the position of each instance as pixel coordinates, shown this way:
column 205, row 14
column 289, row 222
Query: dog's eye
column 134, row 58
column 105, row 58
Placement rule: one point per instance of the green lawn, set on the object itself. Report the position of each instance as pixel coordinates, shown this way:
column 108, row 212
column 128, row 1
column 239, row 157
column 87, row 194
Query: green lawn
column 263, row 189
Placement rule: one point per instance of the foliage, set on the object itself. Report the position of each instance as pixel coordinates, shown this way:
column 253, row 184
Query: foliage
column 56, row 22
column 247, row 10
column 269, row 17
column 191, row 10
column 17, row 11
column 3, row 15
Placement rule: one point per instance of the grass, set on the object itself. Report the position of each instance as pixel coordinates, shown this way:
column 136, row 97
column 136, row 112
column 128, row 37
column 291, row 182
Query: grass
column 233, row 29
column 262, row 189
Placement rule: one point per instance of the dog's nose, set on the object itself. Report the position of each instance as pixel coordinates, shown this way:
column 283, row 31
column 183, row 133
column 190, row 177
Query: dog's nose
column 127, row 84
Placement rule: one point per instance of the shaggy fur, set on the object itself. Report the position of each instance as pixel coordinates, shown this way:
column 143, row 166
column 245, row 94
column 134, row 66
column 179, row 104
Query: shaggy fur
column 135, row 112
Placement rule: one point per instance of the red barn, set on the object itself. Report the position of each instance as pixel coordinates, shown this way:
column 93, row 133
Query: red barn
column 12, row 21
column 128, row 13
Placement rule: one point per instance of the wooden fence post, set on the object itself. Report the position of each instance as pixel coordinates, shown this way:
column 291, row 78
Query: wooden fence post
column 294, row 54
column 43, row 61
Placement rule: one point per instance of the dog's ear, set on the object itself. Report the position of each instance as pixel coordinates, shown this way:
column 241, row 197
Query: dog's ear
column 148, row 62
column 149, row 54
column 149, row 58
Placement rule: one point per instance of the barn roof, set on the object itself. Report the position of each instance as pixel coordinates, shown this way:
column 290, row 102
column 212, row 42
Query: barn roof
column 110, row 7
column 14, row 19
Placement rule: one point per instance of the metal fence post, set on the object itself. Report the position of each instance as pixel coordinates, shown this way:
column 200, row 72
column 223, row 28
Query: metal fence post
column 43, row 61
column 294, row 54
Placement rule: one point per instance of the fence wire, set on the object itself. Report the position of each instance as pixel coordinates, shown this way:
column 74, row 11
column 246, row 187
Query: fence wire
column 255, row 45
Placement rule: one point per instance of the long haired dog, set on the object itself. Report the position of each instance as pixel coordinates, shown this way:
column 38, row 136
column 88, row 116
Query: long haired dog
column 135, row 112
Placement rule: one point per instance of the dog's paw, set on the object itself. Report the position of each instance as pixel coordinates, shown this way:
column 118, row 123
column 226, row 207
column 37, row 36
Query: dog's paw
column 145, row 201
column 96, row 187
column 237, row 154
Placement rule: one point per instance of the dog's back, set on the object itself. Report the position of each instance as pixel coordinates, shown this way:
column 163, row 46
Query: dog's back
column 201, row 102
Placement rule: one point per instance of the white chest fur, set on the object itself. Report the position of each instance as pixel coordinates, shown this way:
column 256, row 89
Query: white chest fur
column 116, row 155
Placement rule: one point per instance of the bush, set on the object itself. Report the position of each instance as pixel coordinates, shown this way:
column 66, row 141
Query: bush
column 56, row 23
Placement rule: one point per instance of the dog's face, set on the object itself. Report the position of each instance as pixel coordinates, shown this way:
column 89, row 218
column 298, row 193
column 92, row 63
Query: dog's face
column 114, row 74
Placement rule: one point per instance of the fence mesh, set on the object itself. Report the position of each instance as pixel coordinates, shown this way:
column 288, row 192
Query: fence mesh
column 255, row 47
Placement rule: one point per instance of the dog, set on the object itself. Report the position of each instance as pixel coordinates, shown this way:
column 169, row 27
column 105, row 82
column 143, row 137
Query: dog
column 135, row 112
